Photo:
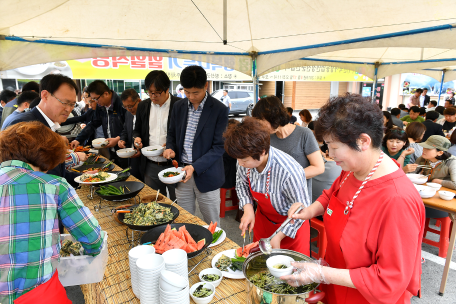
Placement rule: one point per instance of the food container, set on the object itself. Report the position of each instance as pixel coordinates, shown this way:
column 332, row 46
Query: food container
column 280, row 259
column 155, row 150
column 126, row 153
column 434, row 185
column 427, row 192
column 446, row 195
column 211, row 271
column 85, row 269
column 205, row 300
column 174, row 179
column 417, row 178
column 256, row 262
column 100, row 143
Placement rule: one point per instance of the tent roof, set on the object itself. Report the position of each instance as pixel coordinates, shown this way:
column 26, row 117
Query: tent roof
column 342, row 33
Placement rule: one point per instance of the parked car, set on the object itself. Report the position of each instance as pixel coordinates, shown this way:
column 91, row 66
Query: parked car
column 241, row 101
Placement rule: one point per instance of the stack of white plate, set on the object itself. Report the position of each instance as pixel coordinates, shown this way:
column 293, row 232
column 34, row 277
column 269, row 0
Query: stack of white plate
column 133, row 256
column 149, row 268
column 173, row 288
column 176, row 261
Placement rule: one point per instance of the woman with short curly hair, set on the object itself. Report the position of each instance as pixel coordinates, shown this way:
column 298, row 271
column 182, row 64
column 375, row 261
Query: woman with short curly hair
column 373, row 215
column 31, row 205
column 274, row 180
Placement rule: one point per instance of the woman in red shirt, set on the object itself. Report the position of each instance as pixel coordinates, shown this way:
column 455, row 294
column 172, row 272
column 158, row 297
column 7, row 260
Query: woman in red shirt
column 373, row 215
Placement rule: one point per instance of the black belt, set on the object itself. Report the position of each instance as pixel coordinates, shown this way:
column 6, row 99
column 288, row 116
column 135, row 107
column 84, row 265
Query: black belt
column 186, row 164
column 165, row 163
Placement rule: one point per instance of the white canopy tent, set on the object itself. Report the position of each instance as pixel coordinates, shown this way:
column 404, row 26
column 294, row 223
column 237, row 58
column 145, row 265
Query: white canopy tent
column 253, row 37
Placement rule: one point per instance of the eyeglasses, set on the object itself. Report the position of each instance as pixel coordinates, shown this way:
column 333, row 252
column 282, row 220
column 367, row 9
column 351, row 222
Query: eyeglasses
column 129, row 107
column 96, row 99
column 71, row 105
column 156, row 94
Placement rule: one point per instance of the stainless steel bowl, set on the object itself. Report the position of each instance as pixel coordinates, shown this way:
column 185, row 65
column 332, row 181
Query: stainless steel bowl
column 256, row 262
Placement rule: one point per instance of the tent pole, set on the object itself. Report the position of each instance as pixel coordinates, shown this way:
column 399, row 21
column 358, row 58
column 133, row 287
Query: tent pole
column 375, row 82
column 256, row 90
column 441, row 87
column 225, row 22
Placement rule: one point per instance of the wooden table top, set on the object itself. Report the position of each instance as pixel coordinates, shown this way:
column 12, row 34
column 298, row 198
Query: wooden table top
column 440, row 204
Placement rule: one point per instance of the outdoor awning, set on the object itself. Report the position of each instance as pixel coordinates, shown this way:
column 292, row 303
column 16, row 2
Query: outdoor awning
column 402, row 36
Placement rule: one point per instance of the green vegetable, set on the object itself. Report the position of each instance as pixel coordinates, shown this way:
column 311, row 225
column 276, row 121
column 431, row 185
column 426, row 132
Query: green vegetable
column 202, row 292
column 216, row 235
column 236, row 266
column 210, row 277
column 266, row 281
column 280, row 266
column 111, row 190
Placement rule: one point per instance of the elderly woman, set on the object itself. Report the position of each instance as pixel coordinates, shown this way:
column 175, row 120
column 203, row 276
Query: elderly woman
column 374, row 251
column 274, row 180
column 31, row 205
column 298, row 142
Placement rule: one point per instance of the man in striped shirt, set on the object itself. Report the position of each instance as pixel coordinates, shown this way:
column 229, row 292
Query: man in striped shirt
column 195, row 140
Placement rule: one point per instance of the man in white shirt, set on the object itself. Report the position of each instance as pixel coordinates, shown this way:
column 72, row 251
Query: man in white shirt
column 226, row 100
column 431, row 106
column 151, row 128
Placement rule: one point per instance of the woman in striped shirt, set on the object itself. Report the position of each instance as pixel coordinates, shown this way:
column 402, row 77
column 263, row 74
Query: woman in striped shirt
column 274, row 180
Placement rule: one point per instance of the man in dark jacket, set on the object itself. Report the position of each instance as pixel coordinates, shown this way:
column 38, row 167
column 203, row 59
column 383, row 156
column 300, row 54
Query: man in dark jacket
column 432, row 128
column 58, row 98
column 11, row 106
column 110, row 115
column 151, row 128
column 195, row 140
column 130, row 100
column 395, row 115
column 424, row 98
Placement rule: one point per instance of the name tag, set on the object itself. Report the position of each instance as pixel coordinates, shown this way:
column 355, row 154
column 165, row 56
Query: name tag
column 329, row 212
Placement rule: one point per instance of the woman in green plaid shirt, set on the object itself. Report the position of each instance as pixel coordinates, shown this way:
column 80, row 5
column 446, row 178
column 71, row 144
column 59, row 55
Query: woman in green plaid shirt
column 32, row 203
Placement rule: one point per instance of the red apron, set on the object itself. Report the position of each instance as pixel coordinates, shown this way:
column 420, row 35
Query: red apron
column 50, row 292
column 267, row 221
column 335, row 221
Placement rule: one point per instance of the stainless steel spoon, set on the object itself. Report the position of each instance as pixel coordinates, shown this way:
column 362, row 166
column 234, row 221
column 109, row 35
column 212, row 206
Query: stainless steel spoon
column 265, row 244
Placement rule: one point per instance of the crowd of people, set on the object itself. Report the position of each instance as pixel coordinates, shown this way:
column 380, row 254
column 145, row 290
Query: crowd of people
column 275, row 164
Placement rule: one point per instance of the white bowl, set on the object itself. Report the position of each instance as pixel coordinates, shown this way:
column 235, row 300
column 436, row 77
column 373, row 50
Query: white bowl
column 434, row 185
column 446, row 195
column 172, row 294
column 427, row 193
column 99, row 143
column 175, row 257
column 280, row 259
column 205, row 300
column 150, row 262
column 146, row 151
column 139, row 251
column 126, row 153
column 171, row 180
column 419, row 181
column 413, row 175
column 211, row 271
column 170, row 281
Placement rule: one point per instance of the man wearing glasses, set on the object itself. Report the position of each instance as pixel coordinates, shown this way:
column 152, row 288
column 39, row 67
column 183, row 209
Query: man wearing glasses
column 130, row 100
column 58, row 98
column 151, row 128
column 110, row 115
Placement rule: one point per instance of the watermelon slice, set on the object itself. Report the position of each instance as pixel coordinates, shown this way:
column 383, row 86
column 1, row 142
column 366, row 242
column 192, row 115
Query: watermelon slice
column 214, row 227
column 188, row 238
column 239, row 253
column 201, row 244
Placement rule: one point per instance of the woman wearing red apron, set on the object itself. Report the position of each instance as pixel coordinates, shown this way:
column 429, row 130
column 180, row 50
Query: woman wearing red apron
column 31, row 205
column 274, row 180
column 373, row 215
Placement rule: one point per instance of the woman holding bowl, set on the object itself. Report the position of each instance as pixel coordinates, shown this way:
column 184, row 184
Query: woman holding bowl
column 374, row 251
column 271, row 178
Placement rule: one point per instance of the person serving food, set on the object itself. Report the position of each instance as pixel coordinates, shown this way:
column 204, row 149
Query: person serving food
column 274, row 180
column 373, row 215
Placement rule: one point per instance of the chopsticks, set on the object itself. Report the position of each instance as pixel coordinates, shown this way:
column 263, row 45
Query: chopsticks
column 424, row 167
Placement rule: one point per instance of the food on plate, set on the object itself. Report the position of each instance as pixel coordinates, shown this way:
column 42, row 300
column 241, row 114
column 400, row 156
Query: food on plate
column 202, row 292
column 266, row 281
column 152, row 150
column 280, row 266
column 111, row 190
column 70, row 248
column 210, row 277
column 81, row 149
column 177, row 239
column 247, row 249
column 149, row 214
column 215, row 234
column 171, row 174
column 175, row 164
column 92, row 159
column 95, row 169
column 94, row 178
column 223, row 263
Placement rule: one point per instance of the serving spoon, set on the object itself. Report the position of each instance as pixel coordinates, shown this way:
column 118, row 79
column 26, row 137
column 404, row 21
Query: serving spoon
column 265, row 244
